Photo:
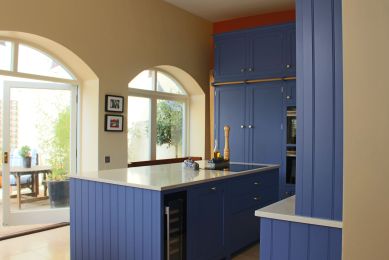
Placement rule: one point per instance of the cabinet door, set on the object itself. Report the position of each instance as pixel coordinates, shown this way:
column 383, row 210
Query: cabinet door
column 230, row 57
column 265, row 123
column 206, row 222
column 230, row 110
column 290, row 51
column 267, row 53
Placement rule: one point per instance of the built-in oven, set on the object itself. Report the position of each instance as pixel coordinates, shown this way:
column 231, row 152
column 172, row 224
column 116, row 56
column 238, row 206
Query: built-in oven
column 291, row 165
column 291, row 136
column 291, row 123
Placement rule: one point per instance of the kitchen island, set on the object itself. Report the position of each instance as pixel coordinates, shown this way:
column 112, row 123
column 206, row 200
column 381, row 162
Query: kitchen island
column 168, row 211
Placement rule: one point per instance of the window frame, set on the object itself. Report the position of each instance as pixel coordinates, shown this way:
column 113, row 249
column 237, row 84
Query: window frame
column 15, row 59
column 13, row 72
column 154, row 95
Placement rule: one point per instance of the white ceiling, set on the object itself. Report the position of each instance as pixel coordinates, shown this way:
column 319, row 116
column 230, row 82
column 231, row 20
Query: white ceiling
column 219, row 10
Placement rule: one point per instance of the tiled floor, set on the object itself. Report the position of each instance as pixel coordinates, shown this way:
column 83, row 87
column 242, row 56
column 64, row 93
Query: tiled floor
column 55, row 244
column 251, row 253
column 52, row 244
column 37, row 205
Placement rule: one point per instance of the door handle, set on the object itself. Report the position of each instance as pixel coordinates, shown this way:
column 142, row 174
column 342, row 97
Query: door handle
column 5, row 157
column 251, row 126
column 167, row 213
column 242, row 126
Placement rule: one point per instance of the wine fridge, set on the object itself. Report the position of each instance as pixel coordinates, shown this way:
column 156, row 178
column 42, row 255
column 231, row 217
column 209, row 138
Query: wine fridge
column 175, row 226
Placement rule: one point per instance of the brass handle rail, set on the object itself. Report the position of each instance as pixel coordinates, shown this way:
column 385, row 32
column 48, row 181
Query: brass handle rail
column 252, row 81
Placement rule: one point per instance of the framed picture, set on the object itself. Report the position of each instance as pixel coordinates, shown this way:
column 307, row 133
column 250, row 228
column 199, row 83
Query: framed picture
column 114, row 123
column 114, row 103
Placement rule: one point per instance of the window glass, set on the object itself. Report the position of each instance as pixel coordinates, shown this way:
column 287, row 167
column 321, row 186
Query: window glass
column 5, row 55
column 144, row 80
column 170, row 118
column 167, row 84
column 138, row 122
column 33, row 61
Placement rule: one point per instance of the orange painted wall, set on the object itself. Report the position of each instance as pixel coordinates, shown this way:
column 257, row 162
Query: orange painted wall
column 252, row 22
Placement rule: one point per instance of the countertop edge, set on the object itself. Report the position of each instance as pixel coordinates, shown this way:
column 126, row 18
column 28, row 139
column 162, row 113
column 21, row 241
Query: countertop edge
column 285, row 210
column 147, row 187
column 176, row 186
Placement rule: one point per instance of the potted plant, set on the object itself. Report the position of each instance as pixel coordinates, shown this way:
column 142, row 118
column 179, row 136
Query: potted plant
column 25, row 153
column 58, row 182
column 58, row 187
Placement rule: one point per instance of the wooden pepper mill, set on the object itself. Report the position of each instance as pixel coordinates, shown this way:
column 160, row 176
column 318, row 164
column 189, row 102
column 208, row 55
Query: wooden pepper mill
column 226, row 143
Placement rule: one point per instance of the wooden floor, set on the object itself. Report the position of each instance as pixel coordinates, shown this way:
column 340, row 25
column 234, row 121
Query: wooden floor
column 55, row 244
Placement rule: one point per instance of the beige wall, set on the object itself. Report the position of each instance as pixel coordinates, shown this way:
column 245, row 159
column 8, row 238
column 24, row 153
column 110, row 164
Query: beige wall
column 366, row 133
column 117, row 39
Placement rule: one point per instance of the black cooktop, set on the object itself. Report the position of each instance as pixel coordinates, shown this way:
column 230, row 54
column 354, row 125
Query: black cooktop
column 240, row 167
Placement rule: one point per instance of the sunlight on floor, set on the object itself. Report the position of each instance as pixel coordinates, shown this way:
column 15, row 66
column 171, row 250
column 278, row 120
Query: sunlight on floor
column 52, row 244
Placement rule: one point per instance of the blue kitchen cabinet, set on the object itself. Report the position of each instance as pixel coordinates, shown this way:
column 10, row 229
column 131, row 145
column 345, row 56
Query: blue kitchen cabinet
column 267, row 53
column 290, row 51
column 256, row 115
column 205, row 218
column 264, row 52
column 230, row 109
column 243, row 197
column 231, row 56
column 221, row 218
column 265, row 122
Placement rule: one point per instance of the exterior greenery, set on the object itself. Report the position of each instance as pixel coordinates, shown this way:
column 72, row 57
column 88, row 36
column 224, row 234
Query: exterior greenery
column 169, row 123
column 25, row 151
column 59, row 149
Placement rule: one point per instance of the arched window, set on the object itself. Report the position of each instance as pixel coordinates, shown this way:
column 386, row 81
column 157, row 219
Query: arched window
column 38, row 99
column 26, row 61
column 157, row 116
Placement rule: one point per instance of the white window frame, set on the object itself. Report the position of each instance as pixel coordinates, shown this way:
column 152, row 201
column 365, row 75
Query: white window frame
column 15, row 73
column 154, row 95
column 50, row 215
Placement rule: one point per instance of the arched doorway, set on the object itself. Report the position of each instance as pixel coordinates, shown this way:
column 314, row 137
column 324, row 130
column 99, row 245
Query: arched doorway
column 41, row 128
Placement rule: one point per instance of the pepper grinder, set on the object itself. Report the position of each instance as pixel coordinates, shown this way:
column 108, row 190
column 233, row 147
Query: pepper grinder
column 227, row 143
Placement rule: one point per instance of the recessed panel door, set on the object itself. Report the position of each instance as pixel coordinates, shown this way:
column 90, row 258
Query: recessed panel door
column 230, row 57
column 265, row 123
column 230, row 111
column 267, row 54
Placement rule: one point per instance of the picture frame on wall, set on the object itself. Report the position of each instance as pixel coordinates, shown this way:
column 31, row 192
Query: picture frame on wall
column 113, row 123
column 114, row 104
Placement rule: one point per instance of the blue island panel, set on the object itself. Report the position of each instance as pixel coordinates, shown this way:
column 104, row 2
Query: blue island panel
column 114, row 222
column 283, row 240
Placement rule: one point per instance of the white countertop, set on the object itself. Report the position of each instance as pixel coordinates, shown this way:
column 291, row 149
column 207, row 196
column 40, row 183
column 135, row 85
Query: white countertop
column 164, row 177
column 285, row 210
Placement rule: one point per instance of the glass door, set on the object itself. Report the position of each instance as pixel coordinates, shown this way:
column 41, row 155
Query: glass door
column 39, row 128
